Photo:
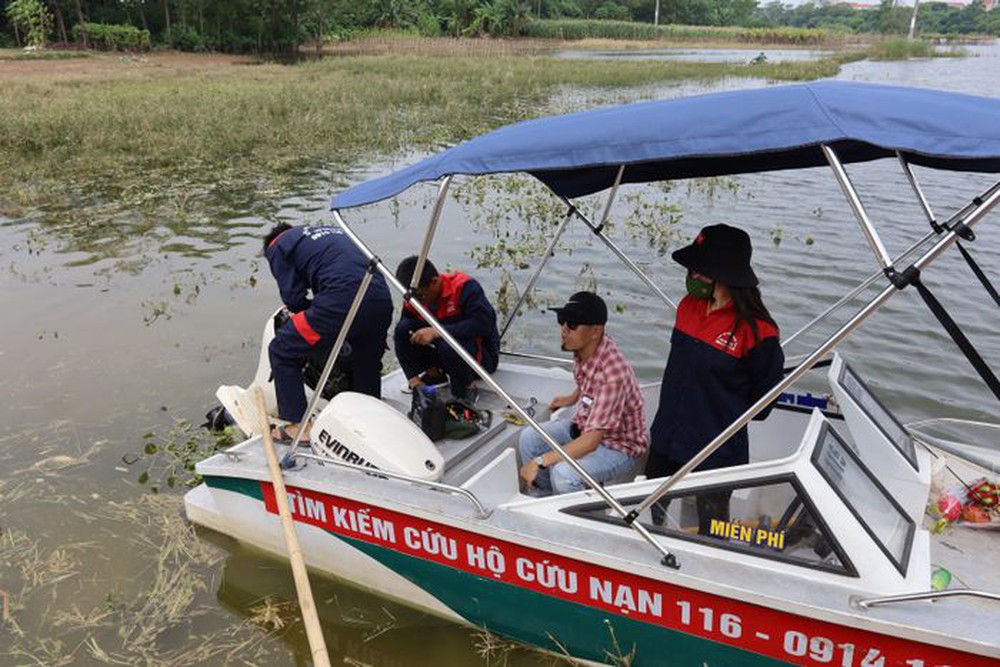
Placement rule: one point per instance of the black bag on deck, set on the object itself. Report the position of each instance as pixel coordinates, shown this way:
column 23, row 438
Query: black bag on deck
column 427, row 412
column 463, row 420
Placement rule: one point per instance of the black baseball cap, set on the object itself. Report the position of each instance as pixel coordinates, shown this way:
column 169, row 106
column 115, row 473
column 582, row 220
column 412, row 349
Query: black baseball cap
column 583, row 308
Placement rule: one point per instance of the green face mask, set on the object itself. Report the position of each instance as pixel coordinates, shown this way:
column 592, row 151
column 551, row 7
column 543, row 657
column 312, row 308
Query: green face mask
column 699, row 289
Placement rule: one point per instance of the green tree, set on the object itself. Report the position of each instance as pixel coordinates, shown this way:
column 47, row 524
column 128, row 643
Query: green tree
column 31, row 18
column 612, row 11
column 890, row 19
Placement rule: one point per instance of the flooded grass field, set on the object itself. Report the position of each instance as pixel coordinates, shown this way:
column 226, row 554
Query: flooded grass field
column 132, row 197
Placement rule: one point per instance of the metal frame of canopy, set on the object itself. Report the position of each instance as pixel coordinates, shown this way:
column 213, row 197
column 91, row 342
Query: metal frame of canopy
column 948, row 233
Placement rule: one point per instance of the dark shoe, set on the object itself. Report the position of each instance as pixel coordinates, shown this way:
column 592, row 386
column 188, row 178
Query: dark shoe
column 469, row 396
column 432, row 378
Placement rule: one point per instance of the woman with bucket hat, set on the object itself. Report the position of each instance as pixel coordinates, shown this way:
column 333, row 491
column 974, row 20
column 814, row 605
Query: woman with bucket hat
column 724, row 355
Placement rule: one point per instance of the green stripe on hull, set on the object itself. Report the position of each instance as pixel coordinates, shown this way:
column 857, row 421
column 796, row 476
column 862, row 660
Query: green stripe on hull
column 537, row 619
column 247, row 487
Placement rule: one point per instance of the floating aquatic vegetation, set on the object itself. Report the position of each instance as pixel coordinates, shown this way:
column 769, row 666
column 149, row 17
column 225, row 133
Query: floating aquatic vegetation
column 272, row 615
column 137, row 626
column 493, row 649
column 170, row 456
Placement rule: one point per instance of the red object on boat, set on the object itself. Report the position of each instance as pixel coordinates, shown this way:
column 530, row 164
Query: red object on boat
column 985, row 494
column 975, row 514
column 950, row 507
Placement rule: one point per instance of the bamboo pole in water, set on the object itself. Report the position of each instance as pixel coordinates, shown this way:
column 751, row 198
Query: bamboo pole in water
column 314, row 633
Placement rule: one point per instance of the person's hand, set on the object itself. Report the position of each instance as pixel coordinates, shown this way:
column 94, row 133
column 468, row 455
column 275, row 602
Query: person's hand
column 529, row 471
column 560, row 402
column 424, row 336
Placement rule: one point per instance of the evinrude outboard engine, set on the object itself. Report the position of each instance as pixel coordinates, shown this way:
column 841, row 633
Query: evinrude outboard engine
column 352, row 427
column 362, row 430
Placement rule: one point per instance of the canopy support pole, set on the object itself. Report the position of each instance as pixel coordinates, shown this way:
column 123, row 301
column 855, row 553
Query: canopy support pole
column 938, row 228
column 599, row 233
column 867, row 228
column 552, row 245
column 549, row 253
column 611, row 198
column 850, row 296
column 668, row 558
column 921, row 199
column 981, row 209
column 425, row 249
column 983, row 279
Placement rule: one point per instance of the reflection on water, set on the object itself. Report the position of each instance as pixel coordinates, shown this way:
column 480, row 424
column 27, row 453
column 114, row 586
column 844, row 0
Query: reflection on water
column 746, row 56
column 118, row 324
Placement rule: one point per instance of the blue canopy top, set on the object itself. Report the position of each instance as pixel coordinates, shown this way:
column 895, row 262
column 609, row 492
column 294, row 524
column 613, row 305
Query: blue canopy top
column 780, row 127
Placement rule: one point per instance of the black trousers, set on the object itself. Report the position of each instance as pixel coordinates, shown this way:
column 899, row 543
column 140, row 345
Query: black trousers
column 710, row 504
column 416, row 359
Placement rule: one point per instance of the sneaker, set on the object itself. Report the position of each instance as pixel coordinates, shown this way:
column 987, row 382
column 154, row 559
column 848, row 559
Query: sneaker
column 433, row 378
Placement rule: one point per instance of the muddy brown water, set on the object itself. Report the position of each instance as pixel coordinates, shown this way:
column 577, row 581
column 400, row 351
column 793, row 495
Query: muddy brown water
column 102, row 344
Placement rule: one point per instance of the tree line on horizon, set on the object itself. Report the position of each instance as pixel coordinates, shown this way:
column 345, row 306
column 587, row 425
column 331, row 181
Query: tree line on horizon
column 276, row 26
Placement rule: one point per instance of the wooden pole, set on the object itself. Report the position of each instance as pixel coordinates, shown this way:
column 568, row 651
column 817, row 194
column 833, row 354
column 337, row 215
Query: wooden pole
column 314, row 633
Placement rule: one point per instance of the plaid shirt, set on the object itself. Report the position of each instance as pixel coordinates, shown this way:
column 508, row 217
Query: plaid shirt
column 610, row 400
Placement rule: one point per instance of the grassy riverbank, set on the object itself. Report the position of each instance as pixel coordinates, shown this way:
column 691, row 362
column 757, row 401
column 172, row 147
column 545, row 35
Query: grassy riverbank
column 132, row 130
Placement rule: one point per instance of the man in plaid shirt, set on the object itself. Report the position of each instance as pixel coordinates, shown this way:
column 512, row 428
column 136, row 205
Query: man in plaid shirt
column 607, row 433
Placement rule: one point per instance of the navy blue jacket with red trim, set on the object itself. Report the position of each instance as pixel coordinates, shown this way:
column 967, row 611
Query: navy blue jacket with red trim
column 712, row 376
column 320, row 259
column 466, row 314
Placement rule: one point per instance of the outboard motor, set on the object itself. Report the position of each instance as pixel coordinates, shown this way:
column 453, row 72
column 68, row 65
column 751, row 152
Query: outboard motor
column 362, row 430
column 352, row 427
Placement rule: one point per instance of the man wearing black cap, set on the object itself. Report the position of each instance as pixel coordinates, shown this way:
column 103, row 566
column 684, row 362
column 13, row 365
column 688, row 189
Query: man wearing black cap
column 724, row 355
column 607, row 433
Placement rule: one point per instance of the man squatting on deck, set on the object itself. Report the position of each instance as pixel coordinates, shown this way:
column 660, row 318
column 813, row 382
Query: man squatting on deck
column 607, row 433
column 460, row 305
column 321, row 260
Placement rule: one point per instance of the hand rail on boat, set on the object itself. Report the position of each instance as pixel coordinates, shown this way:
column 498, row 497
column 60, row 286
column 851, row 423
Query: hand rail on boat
column 961, row 448
column 868, row 603
column 481, row 511
column 537, row 357
column 921, row 423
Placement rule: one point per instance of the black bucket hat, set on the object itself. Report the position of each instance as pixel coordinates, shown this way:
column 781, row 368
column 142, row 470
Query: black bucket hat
column 583, row 308
column 722, row 253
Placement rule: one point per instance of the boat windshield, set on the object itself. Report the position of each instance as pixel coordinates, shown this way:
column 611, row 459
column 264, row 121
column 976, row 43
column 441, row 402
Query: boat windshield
column 770, row 518
column 885, row 421
column 867, row 499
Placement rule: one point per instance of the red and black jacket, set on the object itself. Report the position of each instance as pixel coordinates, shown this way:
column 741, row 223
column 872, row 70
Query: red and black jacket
column 715, row 371
column 466, row 314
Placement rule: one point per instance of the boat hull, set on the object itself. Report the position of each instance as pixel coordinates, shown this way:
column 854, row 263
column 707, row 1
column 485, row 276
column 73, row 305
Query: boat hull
column 537, row 596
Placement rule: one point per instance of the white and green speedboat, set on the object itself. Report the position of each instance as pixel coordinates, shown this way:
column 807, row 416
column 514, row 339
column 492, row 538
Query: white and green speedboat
column 827, row 558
